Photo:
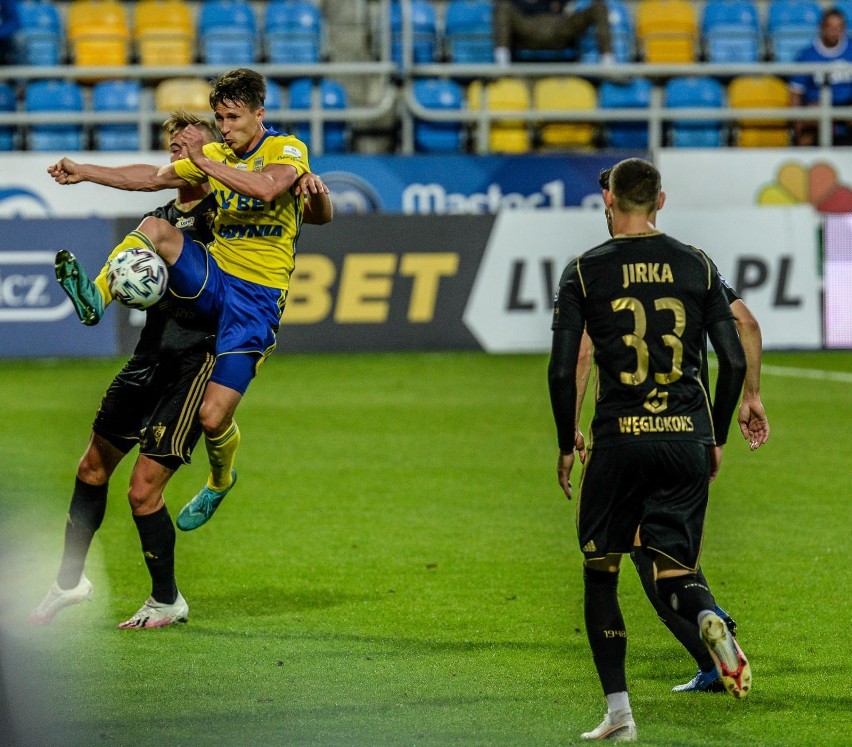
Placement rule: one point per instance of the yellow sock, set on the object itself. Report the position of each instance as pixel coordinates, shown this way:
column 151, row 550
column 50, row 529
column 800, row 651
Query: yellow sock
column 133, row 240
column 221, row 452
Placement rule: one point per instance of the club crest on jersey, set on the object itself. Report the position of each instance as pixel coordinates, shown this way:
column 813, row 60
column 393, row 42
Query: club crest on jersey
column 646, row 272
column 258, row 164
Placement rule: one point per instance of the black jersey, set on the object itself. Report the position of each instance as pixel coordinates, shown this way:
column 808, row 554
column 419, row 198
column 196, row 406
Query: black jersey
column 645, row 302
column 173, row 326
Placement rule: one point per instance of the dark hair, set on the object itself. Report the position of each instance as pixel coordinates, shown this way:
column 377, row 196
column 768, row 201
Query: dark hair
column 603, row 178
column 179, row 120
column 635, row 184
column 240, row 86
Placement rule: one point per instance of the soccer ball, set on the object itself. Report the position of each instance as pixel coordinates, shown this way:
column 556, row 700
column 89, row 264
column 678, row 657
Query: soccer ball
column 137, row 277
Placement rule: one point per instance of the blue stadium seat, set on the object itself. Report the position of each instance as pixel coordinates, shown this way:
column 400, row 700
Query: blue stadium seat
column 622, row 29
column 117, row 96
column 8, row 103
column 227, row 33
column 438, row 137
column 54, row 96
column 468, row 34
column 333, row 96
column 635, row 94
column 424, row 32
column 695, row 92
column 274, row 101
column 39, row 41
column 731, row 31
column 791, row 25
column 292, row 32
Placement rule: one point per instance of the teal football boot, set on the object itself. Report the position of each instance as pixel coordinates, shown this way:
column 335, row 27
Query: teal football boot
column 79, row 288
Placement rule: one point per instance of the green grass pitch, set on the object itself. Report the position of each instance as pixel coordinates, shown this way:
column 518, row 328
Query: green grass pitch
column 397, row 566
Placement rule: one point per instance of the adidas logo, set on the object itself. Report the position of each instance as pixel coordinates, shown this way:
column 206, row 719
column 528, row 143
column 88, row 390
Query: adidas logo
column 590, row 546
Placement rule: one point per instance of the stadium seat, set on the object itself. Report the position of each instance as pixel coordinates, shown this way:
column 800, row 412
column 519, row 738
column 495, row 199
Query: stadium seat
column 731, row 31
column 332, row 96
column 438, row 137
column 227, row 33
column 791, row 25
column 274, row 101
column 634, row 94
column 503, row 94
column 98, row 32
column 667, row 30
column 192, row 94
column 8, row 103
column 39, row 41
column 292, row 32
column 565, row 94
column 53, row 96
column 621, row 28
column 468, row 35
column 116, row 96
column 424, row 32
column 165, row 32
column 759, row 91
column 695, row 93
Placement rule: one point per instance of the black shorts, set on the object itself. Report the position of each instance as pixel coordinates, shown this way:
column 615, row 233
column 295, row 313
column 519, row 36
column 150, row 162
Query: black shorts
column 154, row 402
column 661, row 485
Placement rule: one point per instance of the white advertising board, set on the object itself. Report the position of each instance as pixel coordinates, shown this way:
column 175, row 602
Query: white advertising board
column 770, row 254
column 28, row 191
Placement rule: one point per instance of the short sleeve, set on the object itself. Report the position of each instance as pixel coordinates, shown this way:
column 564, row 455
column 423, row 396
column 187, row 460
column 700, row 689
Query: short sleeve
column 292, row 152
column 189, row 172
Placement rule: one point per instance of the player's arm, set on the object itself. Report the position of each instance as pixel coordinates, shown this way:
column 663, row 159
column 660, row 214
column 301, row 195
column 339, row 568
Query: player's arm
column 318, row 206
column 752, row 415
column 729, row 382
column 584, row 369
column 138, row 177
column 562, row 382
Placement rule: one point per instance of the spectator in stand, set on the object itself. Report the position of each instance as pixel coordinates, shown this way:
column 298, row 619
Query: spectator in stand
column 9, row 24
column 547, row 25
column 830, row 45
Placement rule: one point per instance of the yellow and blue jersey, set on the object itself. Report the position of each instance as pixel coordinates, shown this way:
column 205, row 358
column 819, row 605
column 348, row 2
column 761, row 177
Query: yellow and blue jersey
column 254, row 240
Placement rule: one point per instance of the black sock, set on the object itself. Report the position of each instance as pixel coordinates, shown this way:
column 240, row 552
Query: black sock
column 605, row 629
column 157, row 534
column 85, row 514
column 686, row 632
column 686, row 595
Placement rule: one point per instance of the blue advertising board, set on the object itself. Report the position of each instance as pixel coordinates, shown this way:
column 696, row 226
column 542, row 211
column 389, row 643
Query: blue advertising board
column 36, row 317
column 467, row 185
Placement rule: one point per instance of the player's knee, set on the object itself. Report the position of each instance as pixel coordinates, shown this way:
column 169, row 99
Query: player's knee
column 92, row 470
column 143, row 497
column 167, row 240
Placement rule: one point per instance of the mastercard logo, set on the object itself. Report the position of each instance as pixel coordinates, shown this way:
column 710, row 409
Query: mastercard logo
column 817, row 185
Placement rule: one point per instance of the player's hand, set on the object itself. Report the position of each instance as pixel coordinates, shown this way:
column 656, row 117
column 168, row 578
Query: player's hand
column 715, row 453
column 310, row 184
column 580, row 446
column 754, row 424
column 65, row 171
column 192, row 139
column 563, row 471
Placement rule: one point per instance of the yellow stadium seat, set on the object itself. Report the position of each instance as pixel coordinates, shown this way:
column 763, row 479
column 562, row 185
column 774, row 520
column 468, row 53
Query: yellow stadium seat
column 759, row 91
column 503, row 94
column 667, row 30
column 192, row 94
column 98, row 33
column 165, row 32
column 563, row 94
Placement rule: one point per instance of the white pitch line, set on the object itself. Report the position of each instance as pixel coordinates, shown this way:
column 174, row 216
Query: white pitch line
column 799, row 373
column 808, row 373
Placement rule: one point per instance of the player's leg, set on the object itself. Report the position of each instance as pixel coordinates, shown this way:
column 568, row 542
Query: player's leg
column 672, row 528
column 157, row 538
column 248, row 322
column 707, row 679
column 156, row 234
column 85, row 514
column 608, row 640
column 607, row 516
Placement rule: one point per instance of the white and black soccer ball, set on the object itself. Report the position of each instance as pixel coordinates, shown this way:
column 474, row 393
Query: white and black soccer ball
column 137, row 277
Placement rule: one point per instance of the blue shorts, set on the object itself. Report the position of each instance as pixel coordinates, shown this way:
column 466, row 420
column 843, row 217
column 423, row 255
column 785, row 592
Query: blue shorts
column 248, row 314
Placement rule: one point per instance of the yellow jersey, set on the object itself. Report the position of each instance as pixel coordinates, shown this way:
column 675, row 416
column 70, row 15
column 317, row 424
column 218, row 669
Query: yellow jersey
column 254, row 240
